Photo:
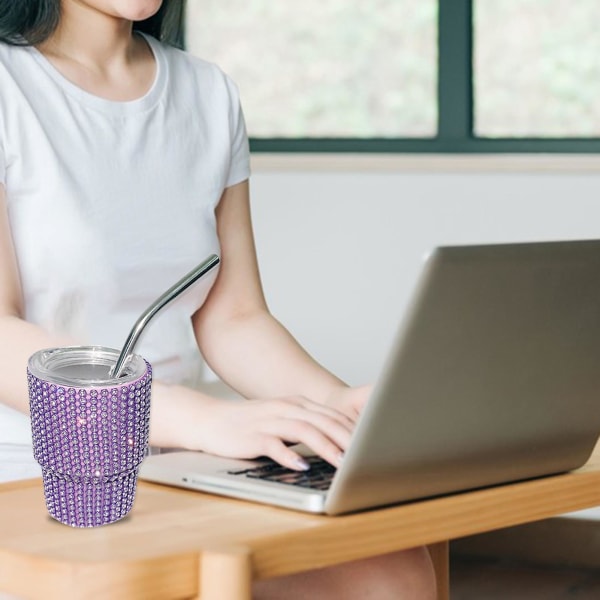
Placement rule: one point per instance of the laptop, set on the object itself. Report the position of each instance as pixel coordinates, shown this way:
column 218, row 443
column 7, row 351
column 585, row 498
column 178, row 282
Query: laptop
column 493, row 377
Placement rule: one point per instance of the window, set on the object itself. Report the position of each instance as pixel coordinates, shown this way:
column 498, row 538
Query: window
column 537, row 68
column 325, row 68
column 409, row 75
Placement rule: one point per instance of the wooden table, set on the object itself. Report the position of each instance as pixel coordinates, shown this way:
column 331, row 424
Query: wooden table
column 181, row 544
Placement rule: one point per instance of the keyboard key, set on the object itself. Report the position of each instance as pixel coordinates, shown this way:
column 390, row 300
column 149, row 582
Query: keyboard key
column 318, row 477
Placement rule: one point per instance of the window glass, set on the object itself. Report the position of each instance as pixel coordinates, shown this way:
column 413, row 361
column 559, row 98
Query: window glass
column 537, row 68
column 325, row 68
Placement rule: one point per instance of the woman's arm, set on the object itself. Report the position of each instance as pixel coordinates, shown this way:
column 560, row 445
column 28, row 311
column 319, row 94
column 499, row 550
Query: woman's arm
column 18, row 339
column 180, row 417
column 241, row 341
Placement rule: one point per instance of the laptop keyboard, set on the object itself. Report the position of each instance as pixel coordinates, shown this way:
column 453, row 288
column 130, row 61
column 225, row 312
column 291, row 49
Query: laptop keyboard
column 318, row 477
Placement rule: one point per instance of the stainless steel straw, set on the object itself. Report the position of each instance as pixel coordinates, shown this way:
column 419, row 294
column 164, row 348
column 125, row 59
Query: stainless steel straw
column 183, row 284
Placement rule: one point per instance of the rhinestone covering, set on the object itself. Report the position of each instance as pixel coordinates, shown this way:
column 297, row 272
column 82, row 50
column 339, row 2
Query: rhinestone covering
column 90, row 442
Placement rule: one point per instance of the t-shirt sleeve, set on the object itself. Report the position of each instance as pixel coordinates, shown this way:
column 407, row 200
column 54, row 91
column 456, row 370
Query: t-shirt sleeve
column 239, row 167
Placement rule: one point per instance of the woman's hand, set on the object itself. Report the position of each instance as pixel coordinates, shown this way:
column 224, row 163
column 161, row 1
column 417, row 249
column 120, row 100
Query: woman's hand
column 252, row 428
column 350, row 400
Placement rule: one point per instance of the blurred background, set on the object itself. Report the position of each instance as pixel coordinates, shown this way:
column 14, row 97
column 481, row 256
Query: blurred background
column 368, row 69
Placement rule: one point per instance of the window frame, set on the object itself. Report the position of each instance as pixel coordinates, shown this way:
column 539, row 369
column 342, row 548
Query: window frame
column 455, row 109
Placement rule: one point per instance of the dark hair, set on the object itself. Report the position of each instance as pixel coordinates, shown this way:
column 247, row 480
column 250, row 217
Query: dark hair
column 29, row 22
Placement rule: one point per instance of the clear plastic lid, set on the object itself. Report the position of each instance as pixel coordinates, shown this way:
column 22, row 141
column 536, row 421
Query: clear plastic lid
column 81, row 366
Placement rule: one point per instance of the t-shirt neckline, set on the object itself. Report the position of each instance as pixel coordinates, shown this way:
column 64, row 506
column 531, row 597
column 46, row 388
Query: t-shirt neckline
column 113, row 107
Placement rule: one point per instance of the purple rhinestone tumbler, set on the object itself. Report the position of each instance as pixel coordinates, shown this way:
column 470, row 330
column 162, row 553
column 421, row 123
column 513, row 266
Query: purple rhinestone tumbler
column 90, row 431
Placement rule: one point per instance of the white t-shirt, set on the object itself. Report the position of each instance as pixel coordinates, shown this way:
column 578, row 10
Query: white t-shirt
column 112, row 202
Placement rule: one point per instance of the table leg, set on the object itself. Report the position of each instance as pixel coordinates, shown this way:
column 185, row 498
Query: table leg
column 441, row 563
column 225, row 574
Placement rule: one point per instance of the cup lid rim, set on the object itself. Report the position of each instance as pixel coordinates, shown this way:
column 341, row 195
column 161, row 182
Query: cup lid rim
column 47, row 363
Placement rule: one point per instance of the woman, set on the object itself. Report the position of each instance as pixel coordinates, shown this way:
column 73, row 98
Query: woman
column 123, row 163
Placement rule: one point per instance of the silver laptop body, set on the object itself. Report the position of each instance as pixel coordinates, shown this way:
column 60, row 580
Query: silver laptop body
column 494, row 376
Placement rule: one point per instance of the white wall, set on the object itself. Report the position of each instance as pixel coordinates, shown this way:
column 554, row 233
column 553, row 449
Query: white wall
column 340, row 252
